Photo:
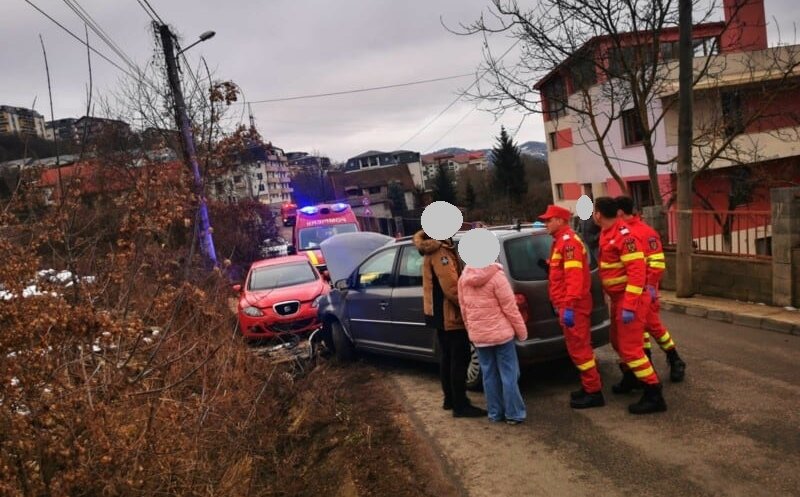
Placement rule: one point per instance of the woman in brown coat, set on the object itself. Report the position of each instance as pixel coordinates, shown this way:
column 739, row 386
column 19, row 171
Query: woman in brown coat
column 440, row 272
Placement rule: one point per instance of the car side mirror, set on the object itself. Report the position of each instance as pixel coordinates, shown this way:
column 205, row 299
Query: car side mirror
column 291, row 250
column 342, row 285
column 237, row 288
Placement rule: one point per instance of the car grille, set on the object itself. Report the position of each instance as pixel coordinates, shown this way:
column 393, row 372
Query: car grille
column 293, row 326
column 286, row 308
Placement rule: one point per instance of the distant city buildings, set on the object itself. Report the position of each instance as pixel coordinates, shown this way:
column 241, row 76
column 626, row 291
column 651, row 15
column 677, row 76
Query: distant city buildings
column 262, row 173
column 21, row 121
column 454, row 163
column 375, row 159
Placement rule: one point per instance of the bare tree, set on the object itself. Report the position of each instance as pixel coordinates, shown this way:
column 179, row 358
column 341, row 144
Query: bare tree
column 601, row 63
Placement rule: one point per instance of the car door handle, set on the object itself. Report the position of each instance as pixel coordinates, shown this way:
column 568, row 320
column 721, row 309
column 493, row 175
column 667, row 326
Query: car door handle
column 384, row 305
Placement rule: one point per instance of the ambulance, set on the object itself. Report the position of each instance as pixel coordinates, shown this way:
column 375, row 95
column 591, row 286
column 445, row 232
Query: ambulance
column 317, row 223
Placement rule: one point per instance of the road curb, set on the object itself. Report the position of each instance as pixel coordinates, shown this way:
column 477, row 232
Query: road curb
column 749, row 320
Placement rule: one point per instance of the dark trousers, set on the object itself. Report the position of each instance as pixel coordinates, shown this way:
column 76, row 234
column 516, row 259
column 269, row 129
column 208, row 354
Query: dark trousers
column 454, row 349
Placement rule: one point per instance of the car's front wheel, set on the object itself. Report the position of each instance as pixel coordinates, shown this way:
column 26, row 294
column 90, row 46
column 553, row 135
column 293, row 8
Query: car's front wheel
column 343, row 347
column 474, row 377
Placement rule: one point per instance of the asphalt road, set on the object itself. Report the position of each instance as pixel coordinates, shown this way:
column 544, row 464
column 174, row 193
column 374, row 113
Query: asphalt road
column 732, row 427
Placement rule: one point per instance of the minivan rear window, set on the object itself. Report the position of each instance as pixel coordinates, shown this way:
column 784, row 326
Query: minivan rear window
column 527, row 257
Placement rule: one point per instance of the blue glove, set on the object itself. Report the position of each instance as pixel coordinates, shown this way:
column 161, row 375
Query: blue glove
column 652, row 291
column 627, row 316
column 568, row 318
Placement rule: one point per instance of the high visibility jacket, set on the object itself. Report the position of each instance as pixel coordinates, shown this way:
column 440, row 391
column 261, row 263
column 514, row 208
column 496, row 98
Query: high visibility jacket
column 653, row 250
column 622, row 264
column 570, row 279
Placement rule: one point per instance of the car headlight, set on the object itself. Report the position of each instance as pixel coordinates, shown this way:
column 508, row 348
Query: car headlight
column 253, row 312
column 316, row 301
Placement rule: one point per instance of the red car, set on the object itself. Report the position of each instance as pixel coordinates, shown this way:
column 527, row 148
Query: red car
column 280, row 296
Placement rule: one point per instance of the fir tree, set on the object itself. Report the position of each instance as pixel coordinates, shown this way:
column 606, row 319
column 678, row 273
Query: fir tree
column 470, row 199
column 509, row 170
column 443, row 188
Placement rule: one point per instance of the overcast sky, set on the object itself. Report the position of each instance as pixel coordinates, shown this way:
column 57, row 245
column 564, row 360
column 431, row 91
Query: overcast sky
column 284, row 48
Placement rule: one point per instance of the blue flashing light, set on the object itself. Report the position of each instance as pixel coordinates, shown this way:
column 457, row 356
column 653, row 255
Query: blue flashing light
column 538, row 224
column 339, row 207
column 310, row 210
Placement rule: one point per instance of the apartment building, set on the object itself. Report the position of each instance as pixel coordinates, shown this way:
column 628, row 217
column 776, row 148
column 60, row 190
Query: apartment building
column 21, row 121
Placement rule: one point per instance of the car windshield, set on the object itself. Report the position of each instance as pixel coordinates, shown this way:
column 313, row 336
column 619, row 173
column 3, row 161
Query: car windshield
column 312, row 237
column 267, row 278
column 527, row 257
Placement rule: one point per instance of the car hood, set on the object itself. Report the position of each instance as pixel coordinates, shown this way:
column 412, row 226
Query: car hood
column 266, row 298
column 345, row 251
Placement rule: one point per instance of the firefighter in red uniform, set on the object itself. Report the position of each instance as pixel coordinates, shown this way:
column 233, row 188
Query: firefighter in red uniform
column 656, row 264
column 623, row 273
column 570, row 292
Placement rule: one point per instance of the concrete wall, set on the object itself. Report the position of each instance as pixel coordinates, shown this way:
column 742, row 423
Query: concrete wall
column 726, row 277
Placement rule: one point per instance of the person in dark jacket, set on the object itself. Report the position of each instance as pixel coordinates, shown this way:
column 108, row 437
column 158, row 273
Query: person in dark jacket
column 441, row 269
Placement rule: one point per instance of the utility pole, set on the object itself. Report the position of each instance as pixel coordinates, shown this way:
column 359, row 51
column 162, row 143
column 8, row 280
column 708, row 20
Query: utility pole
column 683, row 259
column 190, row 154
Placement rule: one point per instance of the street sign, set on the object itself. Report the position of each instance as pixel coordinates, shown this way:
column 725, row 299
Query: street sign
column 367, row 211
column 365, row 201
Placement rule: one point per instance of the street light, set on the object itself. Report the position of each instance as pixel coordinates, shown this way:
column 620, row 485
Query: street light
column 203, row 37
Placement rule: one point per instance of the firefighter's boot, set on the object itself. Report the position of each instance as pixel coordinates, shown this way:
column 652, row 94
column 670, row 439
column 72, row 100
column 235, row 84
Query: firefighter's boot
column 587, row 400
column 677, row 368
column 651, row 401
column 628, row 384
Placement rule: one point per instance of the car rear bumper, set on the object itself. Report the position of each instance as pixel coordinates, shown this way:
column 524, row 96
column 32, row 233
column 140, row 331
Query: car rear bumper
column 537, row 350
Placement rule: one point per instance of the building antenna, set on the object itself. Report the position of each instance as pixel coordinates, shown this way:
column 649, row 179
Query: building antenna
column 252, row 119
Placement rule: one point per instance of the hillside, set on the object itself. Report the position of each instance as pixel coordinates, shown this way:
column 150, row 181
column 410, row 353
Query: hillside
column 530, row 148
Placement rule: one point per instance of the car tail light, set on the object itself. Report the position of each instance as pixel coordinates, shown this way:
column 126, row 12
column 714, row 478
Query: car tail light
column 522, row 304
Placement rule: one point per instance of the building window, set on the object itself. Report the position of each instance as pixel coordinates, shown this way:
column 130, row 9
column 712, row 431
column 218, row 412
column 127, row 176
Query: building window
column 587, row 190
column 631, row 127
column 374, row 190
column 261, row 187
column 555, row 97
column 704, row 47
column 553, row 139
column 583, row 71
column 640, row 193
column 669, row 50
column 260, row 176
column 237, row 179
column 732, row 113
column 559, row 191
column 353, row 192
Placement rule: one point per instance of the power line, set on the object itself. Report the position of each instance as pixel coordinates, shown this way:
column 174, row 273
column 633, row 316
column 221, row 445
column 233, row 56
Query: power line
column 440, row 114
column 451, row 129
column 154, row 13
column 99, row 31
column 347, row 92
column 80, row 40
column 152, row 17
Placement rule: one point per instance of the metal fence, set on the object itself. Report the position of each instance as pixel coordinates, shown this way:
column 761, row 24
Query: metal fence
column 734, row 233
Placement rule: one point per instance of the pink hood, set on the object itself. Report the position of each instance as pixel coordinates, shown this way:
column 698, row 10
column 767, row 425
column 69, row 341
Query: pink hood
column 488, row 306
column 479, row 276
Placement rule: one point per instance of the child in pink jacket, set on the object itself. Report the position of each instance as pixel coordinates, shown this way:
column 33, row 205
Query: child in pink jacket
column 493, row 321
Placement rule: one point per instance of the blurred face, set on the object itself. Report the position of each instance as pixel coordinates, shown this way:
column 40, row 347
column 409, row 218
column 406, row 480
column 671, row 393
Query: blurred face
column 554, row 224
